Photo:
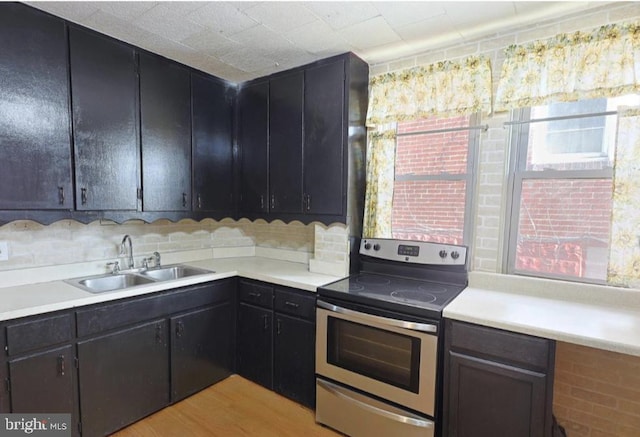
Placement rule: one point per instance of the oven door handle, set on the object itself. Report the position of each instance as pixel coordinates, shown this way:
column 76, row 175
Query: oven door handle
column 414, row 326
column 336, row 391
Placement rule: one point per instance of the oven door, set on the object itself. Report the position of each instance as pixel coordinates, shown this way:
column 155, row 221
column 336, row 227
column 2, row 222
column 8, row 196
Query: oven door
column 393, row 359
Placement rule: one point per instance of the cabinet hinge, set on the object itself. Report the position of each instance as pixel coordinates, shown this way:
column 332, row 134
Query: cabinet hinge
column 80, row 427
column 139, row 193
column 7, row 384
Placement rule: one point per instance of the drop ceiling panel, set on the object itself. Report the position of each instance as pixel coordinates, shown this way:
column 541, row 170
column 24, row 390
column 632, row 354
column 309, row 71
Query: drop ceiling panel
column 243, row 40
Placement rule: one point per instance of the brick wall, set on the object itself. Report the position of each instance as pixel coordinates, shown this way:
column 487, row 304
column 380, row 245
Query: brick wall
column 430, row 210
column 596, row 393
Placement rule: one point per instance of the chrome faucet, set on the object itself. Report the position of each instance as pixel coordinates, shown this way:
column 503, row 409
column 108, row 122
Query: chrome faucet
column 157, row 258
column 123, row 250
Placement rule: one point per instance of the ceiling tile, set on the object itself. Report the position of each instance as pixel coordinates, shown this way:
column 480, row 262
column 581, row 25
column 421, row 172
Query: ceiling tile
column 371, row 33
column 317, row 37
column 281, row 17
column 399, row 14
column 167, row 48
column 248, row 59
column 211, row 43
column 463, row 14
column 116, row 27
column 164, row 20
column 339, row 15
column 263, row 39
column 427, row 29
column 224, row 17
column 127, row 11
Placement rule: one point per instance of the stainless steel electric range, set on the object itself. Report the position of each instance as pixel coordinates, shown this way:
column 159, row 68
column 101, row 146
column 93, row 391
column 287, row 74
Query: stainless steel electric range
column 379, row 339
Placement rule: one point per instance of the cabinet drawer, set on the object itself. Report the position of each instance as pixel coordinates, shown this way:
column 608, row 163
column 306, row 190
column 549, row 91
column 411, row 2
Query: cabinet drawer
column 256, row 293
column 38, row 333
column 123, row 313
column 296, row 303
column 498, row 345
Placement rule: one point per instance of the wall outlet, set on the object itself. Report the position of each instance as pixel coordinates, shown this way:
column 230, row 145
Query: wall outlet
column 4, row 251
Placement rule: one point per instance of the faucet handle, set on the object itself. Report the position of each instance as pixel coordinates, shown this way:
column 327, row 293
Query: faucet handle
column 157, row 258
column 115, row 267
column 145, row 262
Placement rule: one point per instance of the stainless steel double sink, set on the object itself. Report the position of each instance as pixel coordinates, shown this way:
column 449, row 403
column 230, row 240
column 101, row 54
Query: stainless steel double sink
column 127, row 279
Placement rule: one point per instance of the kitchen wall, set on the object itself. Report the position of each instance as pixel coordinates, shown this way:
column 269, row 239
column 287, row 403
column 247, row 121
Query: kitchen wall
column 597, row 393
column 67, row 241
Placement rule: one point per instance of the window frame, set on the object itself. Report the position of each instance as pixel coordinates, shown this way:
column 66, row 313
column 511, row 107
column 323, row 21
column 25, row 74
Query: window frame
column 470, row 176
column 520, row 122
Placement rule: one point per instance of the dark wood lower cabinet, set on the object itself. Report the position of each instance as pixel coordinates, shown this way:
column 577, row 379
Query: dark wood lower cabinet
column 44, row 382
column 255, row 352
column 294, row 359
column 497, row 383
column 124, row 376
column 202, row 349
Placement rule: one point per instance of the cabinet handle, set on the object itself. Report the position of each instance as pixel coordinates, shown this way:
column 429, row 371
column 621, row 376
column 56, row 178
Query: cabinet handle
column 184, row 200
column 262, row 202
column 179, row 329
column 83, row 196
column 278, row 326
column 292, row 304
column 61, row 366
column 159, row 333
column 199, row 201
column 265, row 320
column 254, row 294
column 307, row 202
column 273, row 201
column 61, row 195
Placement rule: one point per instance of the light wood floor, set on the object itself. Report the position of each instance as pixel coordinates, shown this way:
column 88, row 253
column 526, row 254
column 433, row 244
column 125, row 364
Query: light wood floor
column 233, row 407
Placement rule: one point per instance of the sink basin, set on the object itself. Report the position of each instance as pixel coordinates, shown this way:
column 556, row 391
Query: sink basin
column 173, row 272
column 110, row 282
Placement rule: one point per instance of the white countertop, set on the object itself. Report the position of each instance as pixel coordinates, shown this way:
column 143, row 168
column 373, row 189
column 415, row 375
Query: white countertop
column 30, row 299
column 590, row 315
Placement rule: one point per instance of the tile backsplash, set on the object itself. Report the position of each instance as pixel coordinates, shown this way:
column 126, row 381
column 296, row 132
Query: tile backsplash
column 65, row 242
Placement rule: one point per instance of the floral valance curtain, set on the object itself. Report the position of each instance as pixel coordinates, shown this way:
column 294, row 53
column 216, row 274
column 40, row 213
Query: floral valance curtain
column 569, row 67
column 624, row 256
column 444, row 88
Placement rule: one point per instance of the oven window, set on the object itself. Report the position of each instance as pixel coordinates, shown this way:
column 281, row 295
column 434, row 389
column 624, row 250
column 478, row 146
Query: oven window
column 376, row 353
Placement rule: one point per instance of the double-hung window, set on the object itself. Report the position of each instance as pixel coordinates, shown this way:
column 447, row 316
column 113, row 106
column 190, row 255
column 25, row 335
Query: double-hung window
column 561, row 188
column 434, row 179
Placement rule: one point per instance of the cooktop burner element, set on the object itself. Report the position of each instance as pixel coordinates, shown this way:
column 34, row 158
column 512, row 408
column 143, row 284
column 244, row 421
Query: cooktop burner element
column 404, row 276
column 412, row 296
column 373, row 280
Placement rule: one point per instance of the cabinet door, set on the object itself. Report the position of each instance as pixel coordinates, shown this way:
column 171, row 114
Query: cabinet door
column 35, row 142
column 124, row 376
column 324, row 139
column 253, row 135
column 165, row 111
column 105, row 122
column 488, row 399
column 255, row 354
column 202, row 349
column 285, row 143
column 294, row 359
column 43, row 383
column 212, row 138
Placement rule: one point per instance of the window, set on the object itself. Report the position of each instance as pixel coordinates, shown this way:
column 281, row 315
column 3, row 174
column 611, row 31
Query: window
column 433, row 179
column 562, row 187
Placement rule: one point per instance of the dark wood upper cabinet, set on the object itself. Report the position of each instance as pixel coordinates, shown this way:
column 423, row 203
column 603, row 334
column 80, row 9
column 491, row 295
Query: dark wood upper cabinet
column 285, row 143
column 104, row 85
column 324, row 133
column 253, row 134
column 165, row 117
column 212, row 141
column 35, row 142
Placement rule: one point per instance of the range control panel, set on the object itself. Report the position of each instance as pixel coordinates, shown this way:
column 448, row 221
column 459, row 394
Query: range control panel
column 417, row 252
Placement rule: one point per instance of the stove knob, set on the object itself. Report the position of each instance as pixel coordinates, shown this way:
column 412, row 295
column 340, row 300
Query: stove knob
column 455, row 255
column 443, row 254
column 376, row 247
column 367, row 246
